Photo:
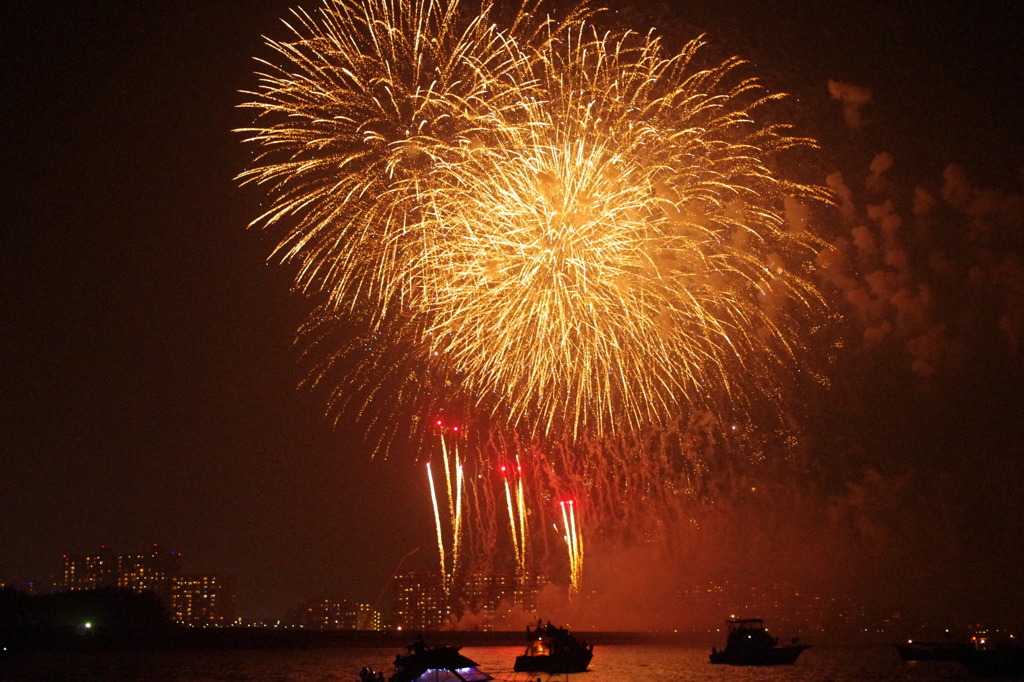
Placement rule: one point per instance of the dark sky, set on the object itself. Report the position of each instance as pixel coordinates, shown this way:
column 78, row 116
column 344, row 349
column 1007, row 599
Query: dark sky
column 148, row 374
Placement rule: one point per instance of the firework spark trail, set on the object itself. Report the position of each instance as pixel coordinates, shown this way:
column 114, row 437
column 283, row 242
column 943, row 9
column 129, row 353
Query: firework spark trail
column 574, row 545
column 523, row 534
column 512, row 523
column 516, row 505
column 437, row 522
column 636, row 487
column 454, row 477
column 483, row 524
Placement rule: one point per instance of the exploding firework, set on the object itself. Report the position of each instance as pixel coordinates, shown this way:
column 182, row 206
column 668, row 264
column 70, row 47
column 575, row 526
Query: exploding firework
column 620, row 256
column 571, row 235
column 362, row 105
column 581, row 233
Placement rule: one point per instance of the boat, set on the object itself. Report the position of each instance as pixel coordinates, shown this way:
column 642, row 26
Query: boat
column 551, row 649
column 912, row 650
column 1000, row 661
column 987, row 658
column 750, row 644
column 424, row 663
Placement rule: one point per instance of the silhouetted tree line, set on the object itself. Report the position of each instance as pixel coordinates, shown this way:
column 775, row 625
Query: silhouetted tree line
column 119, row 619
column 89, row 618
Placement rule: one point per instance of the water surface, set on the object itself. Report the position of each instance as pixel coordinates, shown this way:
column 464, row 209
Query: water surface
column 612, row 663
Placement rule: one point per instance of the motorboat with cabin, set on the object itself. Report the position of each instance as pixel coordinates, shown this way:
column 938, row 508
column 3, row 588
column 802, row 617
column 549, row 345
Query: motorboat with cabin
column 749, row 643
column 554, row 650
column 424, row 663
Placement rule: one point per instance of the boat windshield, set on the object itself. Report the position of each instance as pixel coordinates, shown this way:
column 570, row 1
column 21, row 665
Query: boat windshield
column 746, row 625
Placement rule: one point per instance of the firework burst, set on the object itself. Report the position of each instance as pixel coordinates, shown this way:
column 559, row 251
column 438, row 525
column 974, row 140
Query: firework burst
column 619, row 256
column 352, row 119
column 571, row 235
column 586, row 234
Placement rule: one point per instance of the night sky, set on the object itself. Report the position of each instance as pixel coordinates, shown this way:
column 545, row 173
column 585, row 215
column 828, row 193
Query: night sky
column 149, row 377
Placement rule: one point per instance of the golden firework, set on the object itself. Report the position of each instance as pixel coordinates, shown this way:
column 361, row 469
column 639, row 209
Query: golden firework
column 579, row 233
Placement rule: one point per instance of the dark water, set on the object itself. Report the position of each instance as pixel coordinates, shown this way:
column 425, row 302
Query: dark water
column 648, row 663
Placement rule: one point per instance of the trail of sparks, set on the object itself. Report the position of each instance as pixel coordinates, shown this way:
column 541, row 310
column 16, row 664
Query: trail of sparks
column 512, row 523
column 454, row 480
column 517, row 519
column 522, row 561
column 437, row 523
column 574, row 545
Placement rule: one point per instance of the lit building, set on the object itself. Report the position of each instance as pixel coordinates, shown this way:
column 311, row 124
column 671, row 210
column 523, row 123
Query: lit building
column 420, row 601
column 152, row 571
column 339, row 614
column 369, row 618
column 190, row 599
column 202, row 600
column 155, row 571
column 486, row 594
column 89, row 572
column 422, row 604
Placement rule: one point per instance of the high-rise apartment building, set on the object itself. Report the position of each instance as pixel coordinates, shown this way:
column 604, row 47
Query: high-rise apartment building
column 190, row 599
column 420, row 601
column 487, row 593
column 339, row 614
column 154, row 571
column 200, row 600
column 89, row 572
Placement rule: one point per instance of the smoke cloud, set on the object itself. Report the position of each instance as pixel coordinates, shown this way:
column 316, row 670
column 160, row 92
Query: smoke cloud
column 853, row 97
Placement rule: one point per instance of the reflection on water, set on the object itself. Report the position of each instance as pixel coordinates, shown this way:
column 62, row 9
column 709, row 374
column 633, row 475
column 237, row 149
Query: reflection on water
column 649, row 663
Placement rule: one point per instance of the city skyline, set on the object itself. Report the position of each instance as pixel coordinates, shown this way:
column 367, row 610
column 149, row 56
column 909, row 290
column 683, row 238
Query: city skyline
column 495, row 601
column 152, row 385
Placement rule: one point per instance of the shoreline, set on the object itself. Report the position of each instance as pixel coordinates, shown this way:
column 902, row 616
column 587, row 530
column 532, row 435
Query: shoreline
column 184, row 638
